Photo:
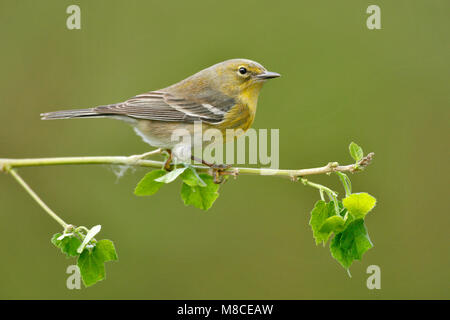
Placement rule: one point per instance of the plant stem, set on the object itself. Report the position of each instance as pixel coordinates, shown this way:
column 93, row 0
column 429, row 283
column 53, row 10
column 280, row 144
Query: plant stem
column 8, row 165
column 320, row 187
column 321, row 195
column 36, row 198
column 346, row 183
column 332, row 195
column 135, row 161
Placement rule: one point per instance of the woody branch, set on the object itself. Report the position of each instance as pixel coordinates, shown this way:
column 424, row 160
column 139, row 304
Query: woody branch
column 8, row 164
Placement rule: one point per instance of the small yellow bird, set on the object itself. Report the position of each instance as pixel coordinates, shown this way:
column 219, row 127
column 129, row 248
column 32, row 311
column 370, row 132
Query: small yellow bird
column 223, row 96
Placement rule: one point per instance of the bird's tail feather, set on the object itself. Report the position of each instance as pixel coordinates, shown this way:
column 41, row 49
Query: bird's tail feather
column 68, row 114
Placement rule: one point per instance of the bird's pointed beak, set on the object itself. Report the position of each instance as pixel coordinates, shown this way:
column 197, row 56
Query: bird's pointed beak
column 268, row 75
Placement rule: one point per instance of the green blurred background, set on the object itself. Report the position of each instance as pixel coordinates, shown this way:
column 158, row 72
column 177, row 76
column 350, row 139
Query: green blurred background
column 387, row 89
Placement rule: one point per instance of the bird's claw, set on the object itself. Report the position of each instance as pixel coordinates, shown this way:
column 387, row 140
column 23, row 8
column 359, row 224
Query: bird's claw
column 220, row 171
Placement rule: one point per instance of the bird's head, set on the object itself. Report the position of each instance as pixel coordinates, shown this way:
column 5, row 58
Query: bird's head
column 238, row 75
column 232, row 77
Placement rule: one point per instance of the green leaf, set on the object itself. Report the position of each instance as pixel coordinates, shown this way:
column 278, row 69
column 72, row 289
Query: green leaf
column 92, row 261
column 334, row 224
column 192, row 179
column 55, row 240
column 90, row 235
column 107, row 250
column 171, row 176
column 92, row 268
column 359, row 204
column 356, row 151
column 148, row 186
column 68, row 245
column 351, row 244
column 198, row 196
column 321, row 212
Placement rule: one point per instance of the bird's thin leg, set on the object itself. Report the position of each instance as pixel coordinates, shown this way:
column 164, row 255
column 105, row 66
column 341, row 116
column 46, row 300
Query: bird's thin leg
column 169, row 159
column 212, row 165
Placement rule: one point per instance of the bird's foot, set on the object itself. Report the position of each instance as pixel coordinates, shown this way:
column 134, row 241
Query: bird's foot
column 168, row 160
column 220, row 172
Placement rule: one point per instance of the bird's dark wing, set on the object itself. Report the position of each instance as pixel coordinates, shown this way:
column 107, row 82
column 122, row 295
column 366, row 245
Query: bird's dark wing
column 164, row 106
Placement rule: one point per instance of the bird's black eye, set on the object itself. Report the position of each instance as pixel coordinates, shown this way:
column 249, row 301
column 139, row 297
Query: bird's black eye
column 242, row 70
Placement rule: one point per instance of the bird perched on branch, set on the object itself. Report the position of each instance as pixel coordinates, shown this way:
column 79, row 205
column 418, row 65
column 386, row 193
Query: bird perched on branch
column 223, row 96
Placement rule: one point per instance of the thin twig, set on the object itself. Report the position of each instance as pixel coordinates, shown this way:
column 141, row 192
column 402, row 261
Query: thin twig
column 320, row 187
column 36, row 198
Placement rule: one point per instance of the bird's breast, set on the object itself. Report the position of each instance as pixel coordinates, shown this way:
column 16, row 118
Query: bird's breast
column 242, row 115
